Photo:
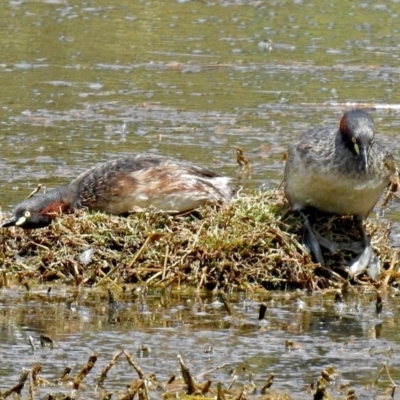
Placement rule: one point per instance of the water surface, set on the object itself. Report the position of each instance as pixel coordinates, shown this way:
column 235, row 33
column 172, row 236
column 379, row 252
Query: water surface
column 349, row 336
column 83, row 82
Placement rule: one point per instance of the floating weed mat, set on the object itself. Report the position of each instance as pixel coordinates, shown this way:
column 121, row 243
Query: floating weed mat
column 254, row 241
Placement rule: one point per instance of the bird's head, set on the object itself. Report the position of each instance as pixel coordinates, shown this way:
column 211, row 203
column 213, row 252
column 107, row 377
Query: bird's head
column 37, row 211
column 358, row 130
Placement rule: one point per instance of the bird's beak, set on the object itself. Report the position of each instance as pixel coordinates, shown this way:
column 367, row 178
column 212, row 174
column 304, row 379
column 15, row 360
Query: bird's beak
column 11, row 222
column 362, row 151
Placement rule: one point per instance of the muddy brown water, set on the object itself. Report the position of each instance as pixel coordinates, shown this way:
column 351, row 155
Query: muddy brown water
column 348, row 336
column 82, row 82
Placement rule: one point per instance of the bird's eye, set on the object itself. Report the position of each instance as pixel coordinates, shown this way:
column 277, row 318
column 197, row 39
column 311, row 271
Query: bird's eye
column 27, row 214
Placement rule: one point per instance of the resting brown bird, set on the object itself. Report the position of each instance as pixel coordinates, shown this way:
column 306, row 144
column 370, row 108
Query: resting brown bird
column 342, row 171
column 125, row 185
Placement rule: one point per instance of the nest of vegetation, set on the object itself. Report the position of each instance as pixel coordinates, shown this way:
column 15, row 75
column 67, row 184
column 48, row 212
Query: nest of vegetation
column 255, row 241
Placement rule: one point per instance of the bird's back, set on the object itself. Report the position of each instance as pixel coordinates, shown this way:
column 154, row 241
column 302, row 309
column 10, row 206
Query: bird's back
column 134, row 182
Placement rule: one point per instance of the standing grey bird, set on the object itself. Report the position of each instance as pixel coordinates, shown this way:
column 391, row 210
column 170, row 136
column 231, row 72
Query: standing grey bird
column 125, row 185
column 340, row 171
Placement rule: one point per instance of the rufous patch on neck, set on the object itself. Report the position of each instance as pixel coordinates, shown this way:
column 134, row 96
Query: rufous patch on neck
column 343, row 124
column 55, row 208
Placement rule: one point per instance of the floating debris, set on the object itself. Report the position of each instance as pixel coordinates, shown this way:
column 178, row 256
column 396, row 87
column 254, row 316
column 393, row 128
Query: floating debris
column 86, row 257
column 46, row 340
column 262, row 311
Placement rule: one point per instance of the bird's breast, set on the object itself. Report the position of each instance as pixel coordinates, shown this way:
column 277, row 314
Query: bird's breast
column 334, row 193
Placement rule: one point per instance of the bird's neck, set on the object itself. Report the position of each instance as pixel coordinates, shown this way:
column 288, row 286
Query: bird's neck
column 58, row 200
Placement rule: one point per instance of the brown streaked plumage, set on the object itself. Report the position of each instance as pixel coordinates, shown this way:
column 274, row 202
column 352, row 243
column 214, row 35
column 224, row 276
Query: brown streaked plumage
column 126, row 185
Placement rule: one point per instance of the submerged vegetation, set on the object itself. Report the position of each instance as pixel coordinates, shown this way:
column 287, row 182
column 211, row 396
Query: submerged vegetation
column 255, row 241
column 216, row 347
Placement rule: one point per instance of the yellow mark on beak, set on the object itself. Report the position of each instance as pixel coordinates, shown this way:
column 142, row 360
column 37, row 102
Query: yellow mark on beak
column 21, row 221
column 357, row 148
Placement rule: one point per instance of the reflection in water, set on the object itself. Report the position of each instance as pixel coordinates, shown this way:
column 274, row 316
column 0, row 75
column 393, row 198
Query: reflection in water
column 156, row 327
